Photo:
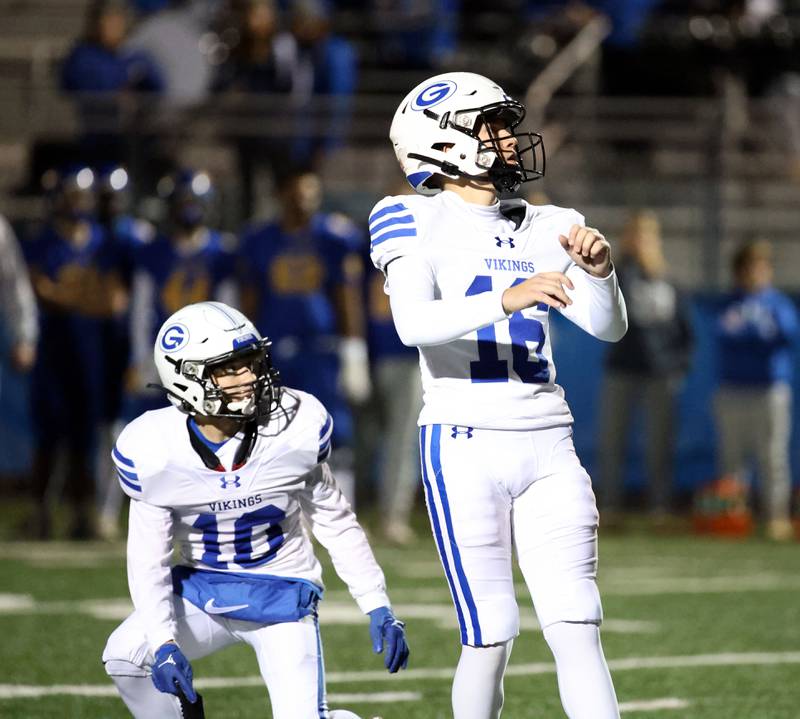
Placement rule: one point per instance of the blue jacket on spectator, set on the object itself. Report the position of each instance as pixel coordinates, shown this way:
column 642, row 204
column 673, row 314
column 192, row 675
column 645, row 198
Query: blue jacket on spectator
column 755, row 333
column 93, row 68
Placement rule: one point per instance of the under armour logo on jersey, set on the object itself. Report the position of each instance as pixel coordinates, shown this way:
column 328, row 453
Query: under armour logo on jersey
column 457, row 430
column 500, row 242
column 235, row 482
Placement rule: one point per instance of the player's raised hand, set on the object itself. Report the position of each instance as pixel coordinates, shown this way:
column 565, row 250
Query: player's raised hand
column 588, row 249
column 546, row 287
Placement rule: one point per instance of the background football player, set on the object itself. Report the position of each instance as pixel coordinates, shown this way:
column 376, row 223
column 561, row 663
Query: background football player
column 471, row 281
column 301, row 278
column 228, row 475
column 185, row 261
column 75, row 276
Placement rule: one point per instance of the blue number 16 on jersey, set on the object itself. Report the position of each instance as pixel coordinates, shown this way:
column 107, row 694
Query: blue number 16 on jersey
column 489, row 367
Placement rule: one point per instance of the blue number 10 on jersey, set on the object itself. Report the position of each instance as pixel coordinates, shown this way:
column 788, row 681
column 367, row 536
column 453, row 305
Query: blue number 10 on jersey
column 243, row 529
column 489, row 367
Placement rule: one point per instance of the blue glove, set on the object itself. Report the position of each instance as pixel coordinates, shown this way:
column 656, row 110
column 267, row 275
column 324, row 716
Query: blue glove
column 172, row 672
column 385, row 627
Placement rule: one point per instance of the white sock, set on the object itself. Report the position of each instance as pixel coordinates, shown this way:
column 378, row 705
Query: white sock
column 139, row 693
column 584, row 681
column 478, row 683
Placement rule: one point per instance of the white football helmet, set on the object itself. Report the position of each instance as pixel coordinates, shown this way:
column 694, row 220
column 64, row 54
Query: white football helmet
column 435, row 132
column 198, row 338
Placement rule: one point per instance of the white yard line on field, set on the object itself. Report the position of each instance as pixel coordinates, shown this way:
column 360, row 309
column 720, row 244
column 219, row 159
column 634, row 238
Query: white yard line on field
column 16, row 691
column 764, row 582
column 628, row 583
column 21, row 691
column 10, row 691
column 653, row 705
column 331, row 612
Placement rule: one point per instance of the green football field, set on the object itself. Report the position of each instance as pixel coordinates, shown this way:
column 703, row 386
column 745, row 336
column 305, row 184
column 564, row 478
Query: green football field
column 694, row 628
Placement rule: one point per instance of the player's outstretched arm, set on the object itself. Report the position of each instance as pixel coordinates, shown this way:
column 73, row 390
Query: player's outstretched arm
column 388, row 633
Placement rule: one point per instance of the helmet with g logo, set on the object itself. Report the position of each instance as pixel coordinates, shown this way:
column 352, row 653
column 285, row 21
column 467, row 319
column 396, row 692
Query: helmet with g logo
column 197, row 339
column 435, row 133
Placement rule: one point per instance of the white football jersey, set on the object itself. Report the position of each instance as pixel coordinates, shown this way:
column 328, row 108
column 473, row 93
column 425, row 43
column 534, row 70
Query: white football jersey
column 501, row 376
column 248, row 520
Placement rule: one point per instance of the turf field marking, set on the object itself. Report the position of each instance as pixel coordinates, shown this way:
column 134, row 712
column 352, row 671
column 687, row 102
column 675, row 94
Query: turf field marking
column 649, row 705
column 17, row 603
column 23, row 691
column 701, row 585
column 331, row 612
column 62, row 555
column 14, row 691
column 629, row 583
column 377, row 697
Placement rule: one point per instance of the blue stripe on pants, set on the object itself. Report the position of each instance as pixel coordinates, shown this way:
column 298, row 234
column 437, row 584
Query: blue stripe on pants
column 462, row 578
column 322, row 703
column 437, row 531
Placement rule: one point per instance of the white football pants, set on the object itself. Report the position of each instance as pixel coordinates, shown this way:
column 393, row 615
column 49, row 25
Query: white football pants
column 489, row 490
column 289, row 658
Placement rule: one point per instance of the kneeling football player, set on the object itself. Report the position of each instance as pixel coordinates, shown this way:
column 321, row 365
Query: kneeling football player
column 225, row 479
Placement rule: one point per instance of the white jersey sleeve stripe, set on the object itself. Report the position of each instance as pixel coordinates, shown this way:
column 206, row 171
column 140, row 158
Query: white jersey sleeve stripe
column 327, row 429
column 325, row 435
column 122, row 459
column 405, row 232
column 126, row 470
column 375, row 216
column 391, row 222
column 127, row 481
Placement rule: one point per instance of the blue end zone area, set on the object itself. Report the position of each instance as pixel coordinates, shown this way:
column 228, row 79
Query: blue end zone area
column 579, row 357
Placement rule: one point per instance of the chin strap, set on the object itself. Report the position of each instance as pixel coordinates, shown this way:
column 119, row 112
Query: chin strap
column 445, row 166
column 504, row 180
column 211, row 460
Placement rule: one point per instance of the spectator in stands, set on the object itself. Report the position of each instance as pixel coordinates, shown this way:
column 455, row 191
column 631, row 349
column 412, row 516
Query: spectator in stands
column 258, row 62
column 261, row 62
column 20, row 323
column 325, row 70
column 756, row 329
column 74, row 275
column 99, row 70
column 173, row 36
column 414, row 34
column 302, row 280
column 644, row 370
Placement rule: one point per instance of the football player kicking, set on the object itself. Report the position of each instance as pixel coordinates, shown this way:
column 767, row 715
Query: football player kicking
column 228, row 477
column 471, row 280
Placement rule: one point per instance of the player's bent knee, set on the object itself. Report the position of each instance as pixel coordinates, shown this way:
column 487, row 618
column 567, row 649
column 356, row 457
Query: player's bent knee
column 121, row 668
column 126, row 646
